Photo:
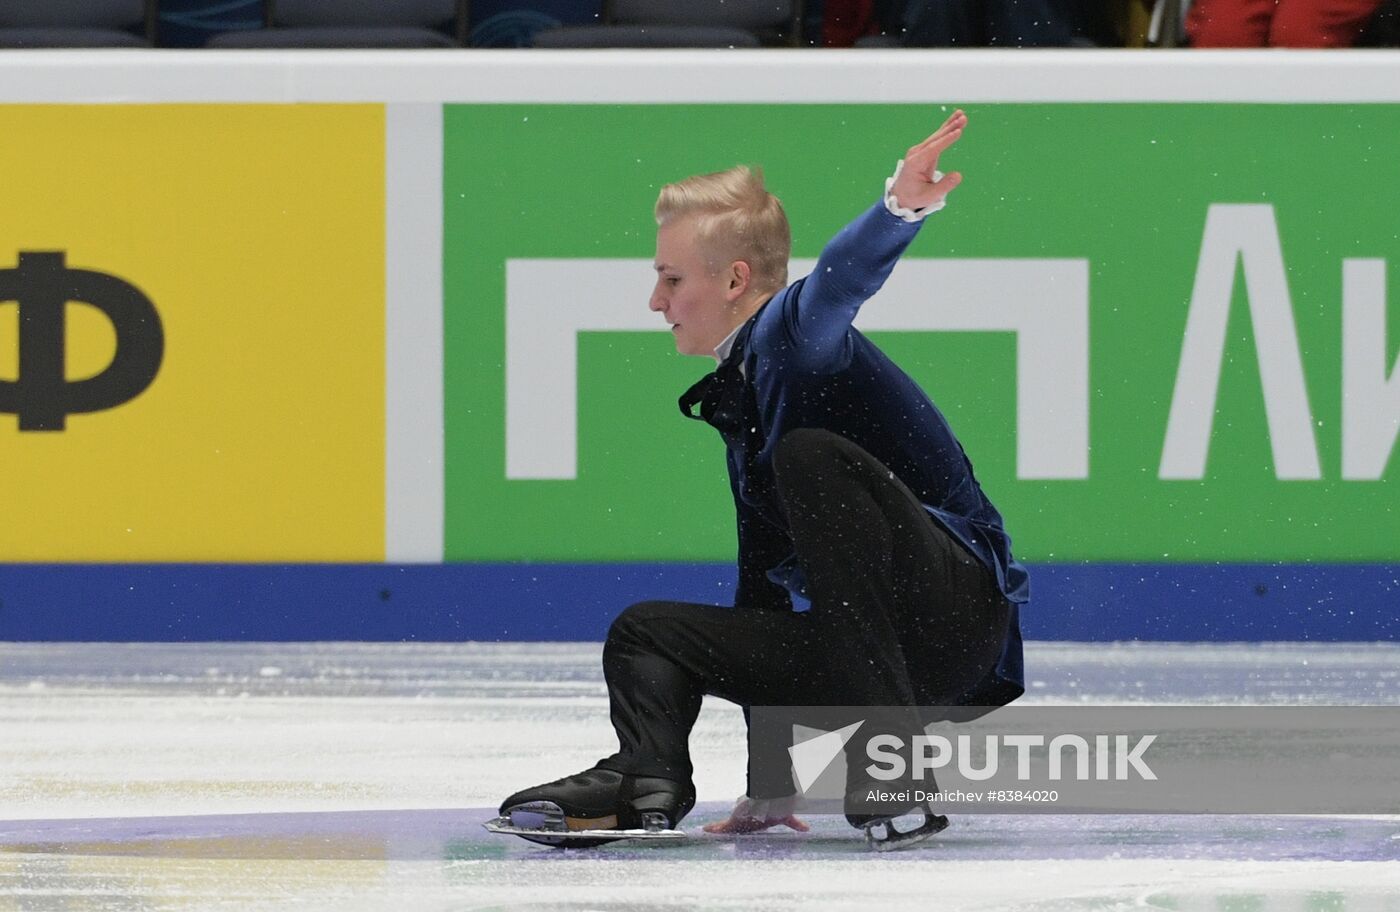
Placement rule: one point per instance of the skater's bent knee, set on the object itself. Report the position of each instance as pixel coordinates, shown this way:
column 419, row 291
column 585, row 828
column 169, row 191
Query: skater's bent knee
column 634, row 617
column 800, row 444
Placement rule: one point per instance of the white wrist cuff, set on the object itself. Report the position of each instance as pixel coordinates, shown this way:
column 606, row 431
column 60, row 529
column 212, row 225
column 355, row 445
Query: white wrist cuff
column 909, row 215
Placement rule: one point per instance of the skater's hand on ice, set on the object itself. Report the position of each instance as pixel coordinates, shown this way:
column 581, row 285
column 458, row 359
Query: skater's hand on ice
column 914, row 186
column 754, row 824
column 752, row 815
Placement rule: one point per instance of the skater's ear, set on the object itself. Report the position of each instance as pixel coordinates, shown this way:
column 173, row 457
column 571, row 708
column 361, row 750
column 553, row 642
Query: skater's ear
column 738, row 281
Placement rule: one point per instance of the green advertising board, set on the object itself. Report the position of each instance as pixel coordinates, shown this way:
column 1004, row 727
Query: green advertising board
column 1217, row 383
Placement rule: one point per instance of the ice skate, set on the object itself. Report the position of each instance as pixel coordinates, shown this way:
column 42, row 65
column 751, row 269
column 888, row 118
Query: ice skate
column 882, row 835
column 595, row 807
column 877, row 818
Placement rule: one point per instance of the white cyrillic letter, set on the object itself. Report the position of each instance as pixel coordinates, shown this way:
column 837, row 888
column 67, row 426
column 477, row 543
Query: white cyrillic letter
column 1370, row 398
column 1247, row 232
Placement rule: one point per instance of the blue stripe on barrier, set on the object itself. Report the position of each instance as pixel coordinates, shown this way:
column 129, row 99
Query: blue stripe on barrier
column 453, row 602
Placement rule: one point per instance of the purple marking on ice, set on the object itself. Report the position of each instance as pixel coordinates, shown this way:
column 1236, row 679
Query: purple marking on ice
column 447, row 834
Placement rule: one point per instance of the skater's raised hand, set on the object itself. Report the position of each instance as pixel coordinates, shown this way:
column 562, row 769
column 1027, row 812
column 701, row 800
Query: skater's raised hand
column 915, row 187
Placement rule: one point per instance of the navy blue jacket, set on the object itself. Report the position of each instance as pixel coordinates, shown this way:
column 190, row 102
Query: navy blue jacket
column 805, row 365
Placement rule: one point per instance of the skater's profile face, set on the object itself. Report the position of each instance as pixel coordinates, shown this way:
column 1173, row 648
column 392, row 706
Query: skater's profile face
column 698, row 296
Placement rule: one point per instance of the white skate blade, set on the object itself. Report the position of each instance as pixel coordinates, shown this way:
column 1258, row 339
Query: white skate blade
column 504, row 826
column 883, row 837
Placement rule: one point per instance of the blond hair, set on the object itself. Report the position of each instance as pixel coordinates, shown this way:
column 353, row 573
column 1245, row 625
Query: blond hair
column 735, row 219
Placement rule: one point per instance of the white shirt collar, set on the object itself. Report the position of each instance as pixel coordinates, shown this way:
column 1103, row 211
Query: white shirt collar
column 722, row 350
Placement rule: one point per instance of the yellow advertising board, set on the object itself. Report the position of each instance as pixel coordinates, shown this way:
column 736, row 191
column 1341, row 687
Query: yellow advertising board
column 192, row 333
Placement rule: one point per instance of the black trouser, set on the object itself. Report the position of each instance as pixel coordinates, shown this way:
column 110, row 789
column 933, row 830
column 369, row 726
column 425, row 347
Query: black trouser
column 902, row 615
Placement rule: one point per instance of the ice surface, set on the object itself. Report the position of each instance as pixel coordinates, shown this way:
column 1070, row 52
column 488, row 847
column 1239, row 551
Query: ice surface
column 356, row 776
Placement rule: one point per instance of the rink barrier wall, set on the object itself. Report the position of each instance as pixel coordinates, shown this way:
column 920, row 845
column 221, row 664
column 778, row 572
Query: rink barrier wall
column 469, row 471
column 577, row 602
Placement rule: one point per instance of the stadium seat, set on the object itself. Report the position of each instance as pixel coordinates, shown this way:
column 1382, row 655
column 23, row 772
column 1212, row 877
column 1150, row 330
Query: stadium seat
column 77, row 23
column 699, row 23
column 354, row 24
